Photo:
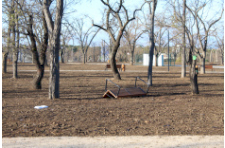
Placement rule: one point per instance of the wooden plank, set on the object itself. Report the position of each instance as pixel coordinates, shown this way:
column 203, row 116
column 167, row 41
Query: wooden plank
column 209, row 66
column 109, row 94
column 122, row 92
column 135, row 90
column 117, row 66
column 125, row 92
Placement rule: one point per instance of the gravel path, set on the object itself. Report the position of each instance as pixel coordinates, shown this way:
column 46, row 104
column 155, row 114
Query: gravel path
column 116, row 142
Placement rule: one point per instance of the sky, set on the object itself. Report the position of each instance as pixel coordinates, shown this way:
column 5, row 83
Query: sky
column 95, row 8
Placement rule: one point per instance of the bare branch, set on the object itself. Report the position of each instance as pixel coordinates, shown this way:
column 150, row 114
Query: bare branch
column 100, row 27
column 48, row 15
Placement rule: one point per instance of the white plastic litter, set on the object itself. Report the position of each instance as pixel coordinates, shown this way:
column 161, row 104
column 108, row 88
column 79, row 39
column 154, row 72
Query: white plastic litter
column 41, row 107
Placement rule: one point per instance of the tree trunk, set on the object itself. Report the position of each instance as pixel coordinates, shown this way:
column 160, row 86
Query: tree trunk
column 62, row 58
column 54, row 71
column 62, row 51
column 115, row 71
column 46, row 61
column 104, row 50
column 193, row 78
column 156, row 60
column 183, row 68
column 71, row 56
column 5, row 54
column 132, row 58
column 10, row 25
column 203, row 64
column 54, row 66
column 15, row 47
column 152, row 45
column 40, row 71
column 222, row 60
column 84, row 58
column 157, row 56
column 40, row 62
column 15, row 57
column 150, row 62
column 54, row 45
column 4, row 62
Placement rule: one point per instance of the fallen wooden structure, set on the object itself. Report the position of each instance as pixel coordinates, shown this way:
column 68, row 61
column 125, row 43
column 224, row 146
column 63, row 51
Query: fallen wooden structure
column 121, row 67
column 209, row 67
column 125, row 92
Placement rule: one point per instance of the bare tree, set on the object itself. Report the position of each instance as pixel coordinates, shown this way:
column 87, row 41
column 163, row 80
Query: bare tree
column 220, row 45
column 63, row 48
column 66, row 37
column 104, row 49
column 54, row 44
column 203, row 39
column 183, row 67
column 158, row 38
column 31, row 25
column 152, row 7
column 84, row 38
column 14, row 27
column 15, row 50
column 192, row 58
column 8, row 9
column 115, row 14
column 39, row 62
column 132, row 33
column 180, row 21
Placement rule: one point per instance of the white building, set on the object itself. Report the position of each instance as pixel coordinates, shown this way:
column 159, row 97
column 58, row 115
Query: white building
column 146, row 60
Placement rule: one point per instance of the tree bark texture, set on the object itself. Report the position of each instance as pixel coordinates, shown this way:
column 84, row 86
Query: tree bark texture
column 152, row 44
column 5, row 54
column 150, row 62
column 115, row 71
column 203, row 64
column 54, row 71
column 62, row 51
column 54, row 45
column 84, row 58
column 193, row 78
column 38, row 61
column 132, row 57
column 222, row 60
column 121, row 29
column 156, row 58
column 14, row 44
column 183, row 68
column 4, row 62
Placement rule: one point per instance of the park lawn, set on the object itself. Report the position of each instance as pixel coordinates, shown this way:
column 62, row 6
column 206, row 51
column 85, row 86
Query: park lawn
column 168, row 109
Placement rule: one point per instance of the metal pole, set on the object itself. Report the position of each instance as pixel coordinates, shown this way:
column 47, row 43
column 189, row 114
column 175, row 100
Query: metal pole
column 168, row 50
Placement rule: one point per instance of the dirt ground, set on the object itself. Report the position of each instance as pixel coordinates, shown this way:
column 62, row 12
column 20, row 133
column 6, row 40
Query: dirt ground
column 168, row 109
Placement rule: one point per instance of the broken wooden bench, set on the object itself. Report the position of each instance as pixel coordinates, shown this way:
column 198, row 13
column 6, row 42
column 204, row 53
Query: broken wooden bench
column 121, row 67
column 207, row 66
column 125, row 92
